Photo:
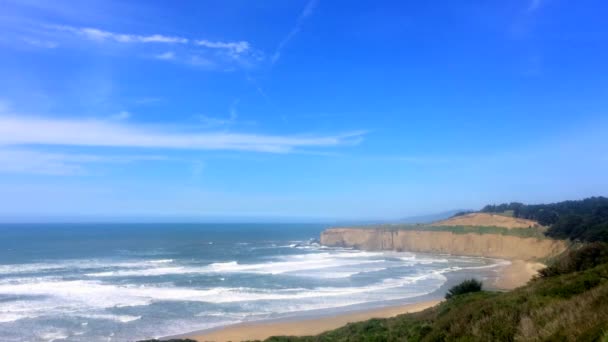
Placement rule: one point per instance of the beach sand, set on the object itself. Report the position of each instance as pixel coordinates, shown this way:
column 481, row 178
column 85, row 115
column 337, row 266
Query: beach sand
column 514, row 275
column 517, row 274
column 263, row 330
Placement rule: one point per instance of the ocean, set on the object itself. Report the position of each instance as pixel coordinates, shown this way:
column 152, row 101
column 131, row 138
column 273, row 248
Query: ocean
column 124, row 282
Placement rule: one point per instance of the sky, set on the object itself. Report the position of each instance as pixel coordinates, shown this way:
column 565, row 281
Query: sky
column 298, row 110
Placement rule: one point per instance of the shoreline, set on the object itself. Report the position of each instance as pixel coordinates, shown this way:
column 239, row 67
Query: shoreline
column 261, row 330
column 510, row 276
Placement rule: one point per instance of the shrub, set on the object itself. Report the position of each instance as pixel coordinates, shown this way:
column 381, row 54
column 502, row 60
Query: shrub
column 467, row 286
column 586, row 257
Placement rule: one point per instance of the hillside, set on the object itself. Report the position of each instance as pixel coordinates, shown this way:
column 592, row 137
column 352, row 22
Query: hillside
column 487, row 220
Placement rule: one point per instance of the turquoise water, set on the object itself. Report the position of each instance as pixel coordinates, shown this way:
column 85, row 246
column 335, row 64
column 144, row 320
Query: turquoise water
column 122, row 282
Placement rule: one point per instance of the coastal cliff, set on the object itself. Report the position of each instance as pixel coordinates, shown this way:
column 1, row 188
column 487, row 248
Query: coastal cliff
column 468, row 244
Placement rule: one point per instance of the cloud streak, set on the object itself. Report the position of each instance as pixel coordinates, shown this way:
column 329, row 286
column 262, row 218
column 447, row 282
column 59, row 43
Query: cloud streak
column 208, row 54
column 19, row 130
column 101, row 35
column 96, row 34
column 308, row 10
column 235, row 47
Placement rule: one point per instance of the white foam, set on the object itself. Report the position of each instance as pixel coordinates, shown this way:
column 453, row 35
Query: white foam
column 292, row 264
column 54, row 335
column 6, row 317
column 117, row 318
column 75, row 295
column 71, row 265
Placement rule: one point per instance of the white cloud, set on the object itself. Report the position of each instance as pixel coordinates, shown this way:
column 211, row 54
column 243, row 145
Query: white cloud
column 236, row 47
column 20, row 130
column 201, row 53
column 101, row 35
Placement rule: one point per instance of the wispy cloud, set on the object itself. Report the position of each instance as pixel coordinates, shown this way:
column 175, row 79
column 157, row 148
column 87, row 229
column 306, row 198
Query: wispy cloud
column 308, row 10
column 235, row 47
column 201, row 53
column 21, row 130
column 101, row 35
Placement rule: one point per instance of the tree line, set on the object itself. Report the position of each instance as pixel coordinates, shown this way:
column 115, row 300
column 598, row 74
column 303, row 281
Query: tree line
column 583, row 220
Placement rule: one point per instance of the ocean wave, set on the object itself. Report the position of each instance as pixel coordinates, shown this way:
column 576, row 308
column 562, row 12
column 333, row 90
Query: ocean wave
column 109, row 317
column 54, row 335
column 76, row 295
column 294, row 264
column 6, row 317
column 71, row 265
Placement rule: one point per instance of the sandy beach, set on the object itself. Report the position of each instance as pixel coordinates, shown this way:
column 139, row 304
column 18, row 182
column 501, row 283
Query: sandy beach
column 261, row 330
column 516, row 274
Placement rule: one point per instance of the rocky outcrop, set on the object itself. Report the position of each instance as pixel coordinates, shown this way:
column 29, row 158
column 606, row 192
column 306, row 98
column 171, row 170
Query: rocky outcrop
column 470, row 244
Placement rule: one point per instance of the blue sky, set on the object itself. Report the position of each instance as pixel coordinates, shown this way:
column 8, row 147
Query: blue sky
column 298, row 109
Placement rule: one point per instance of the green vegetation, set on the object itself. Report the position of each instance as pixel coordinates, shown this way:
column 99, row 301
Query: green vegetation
column 584, row 220
column 467, row 286
column 569, row 306
column 580, row 259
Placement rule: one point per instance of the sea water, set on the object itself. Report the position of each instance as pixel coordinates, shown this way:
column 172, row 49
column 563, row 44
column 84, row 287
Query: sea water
column 123, row 282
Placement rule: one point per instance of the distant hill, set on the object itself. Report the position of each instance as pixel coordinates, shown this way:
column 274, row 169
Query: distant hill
column 487, row 220
column 431, row 217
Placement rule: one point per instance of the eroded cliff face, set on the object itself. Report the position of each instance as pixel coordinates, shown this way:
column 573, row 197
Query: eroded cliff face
column 471, row 244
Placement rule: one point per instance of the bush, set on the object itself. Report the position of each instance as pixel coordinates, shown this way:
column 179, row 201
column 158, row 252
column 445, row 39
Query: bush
column 586, row 257
column 467, row 286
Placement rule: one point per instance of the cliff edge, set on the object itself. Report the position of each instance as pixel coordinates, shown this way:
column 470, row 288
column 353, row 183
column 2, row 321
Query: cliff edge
column 468, row 244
